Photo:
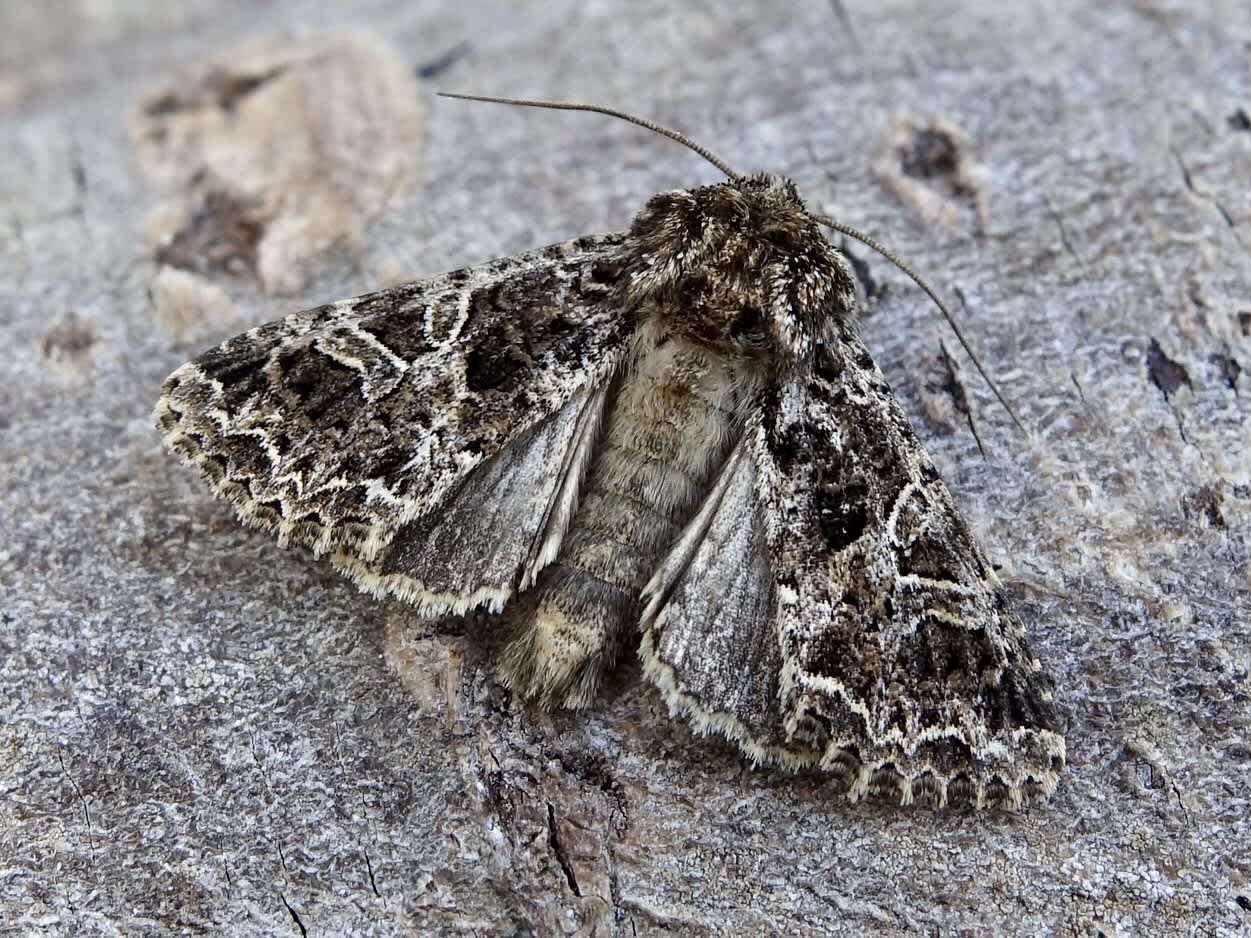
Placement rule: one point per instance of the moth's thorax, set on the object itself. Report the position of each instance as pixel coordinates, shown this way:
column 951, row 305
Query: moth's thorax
column 739, row 267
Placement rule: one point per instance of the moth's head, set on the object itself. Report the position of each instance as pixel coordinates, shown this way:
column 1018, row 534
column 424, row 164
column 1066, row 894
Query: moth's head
column 740, row 266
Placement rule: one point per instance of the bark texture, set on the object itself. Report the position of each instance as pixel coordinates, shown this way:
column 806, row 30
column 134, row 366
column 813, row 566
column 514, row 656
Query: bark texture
column 201, row 732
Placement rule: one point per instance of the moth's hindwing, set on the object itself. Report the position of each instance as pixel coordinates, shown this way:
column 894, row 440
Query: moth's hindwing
column 347, row 428
column 710, row 641
column 891, row 658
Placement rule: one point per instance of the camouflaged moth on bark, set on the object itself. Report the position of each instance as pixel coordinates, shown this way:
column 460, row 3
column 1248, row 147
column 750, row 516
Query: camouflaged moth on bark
column 669, row 439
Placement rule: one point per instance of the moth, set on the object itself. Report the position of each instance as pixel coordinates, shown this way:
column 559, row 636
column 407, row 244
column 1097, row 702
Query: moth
column 670, row 439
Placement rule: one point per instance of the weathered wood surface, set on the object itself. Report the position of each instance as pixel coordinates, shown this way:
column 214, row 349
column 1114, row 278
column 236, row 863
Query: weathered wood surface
column 202, row 732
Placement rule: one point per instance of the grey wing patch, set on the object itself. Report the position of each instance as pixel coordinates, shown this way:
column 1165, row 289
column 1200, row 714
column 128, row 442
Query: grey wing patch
column 896, row 640
column 709, row 641
column 471, row 549
column 336, row 427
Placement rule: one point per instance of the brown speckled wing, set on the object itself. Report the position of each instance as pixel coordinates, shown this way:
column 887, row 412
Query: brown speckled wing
column 828, row 607
column 897, row 644
column 339, row 427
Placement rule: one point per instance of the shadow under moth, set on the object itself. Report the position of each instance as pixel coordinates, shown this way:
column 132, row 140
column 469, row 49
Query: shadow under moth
column 671, row 439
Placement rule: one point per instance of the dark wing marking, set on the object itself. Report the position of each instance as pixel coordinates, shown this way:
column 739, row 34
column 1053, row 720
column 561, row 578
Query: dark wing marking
column 828, row 606
column 337, row 427
column 471, row 550
column 896, row 639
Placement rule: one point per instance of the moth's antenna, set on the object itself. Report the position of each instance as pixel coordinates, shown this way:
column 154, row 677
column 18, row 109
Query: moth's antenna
column 721, row 165
column 611, row 112
column 920, row 282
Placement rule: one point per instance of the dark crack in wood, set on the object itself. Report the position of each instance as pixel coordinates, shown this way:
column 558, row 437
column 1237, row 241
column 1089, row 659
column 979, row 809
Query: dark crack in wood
column 1165, row 374
column 558, row 851
column 295, row 916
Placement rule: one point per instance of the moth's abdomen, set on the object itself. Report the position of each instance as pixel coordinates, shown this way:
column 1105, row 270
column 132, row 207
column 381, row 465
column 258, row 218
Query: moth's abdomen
column 667, row 432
